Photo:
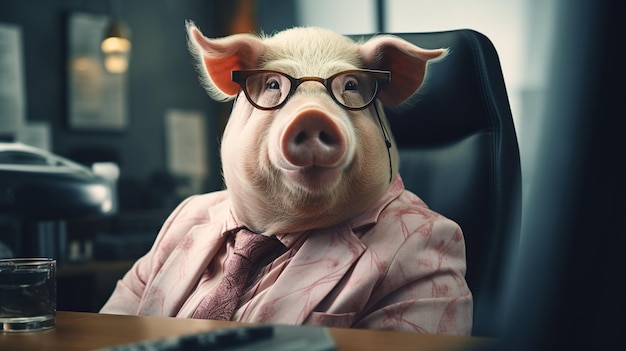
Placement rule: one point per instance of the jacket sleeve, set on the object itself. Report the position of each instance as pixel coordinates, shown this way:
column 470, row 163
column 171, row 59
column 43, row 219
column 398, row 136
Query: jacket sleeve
column 424, row 287
column 127, row 295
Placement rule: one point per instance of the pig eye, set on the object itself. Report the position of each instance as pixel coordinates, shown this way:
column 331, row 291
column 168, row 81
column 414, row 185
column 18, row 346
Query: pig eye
column 273, row 84
column 267, row 88
column 350, row 85
column 353, row 89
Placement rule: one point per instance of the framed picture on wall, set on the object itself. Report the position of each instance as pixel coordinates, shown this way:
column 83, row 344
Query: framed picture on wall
column 97, row 97
column 12, row 86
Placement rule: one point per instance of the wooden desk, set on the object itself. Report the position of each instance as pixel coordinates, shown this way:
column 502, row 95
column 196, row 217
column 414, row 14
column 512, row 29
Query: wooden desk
column 87, row 331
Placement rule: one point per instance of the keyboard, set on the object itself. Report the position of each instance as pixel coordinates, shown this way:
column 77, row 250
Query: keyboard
column 258, row 338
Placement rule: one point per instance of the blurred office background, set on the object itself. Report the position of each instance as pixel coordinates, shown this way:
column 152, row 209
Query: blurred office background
column 162, row 101
column 137, row 122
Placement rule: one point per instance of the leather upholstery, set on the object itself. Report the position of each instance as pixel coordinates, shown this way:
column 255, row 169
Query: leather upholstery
column 459, row 153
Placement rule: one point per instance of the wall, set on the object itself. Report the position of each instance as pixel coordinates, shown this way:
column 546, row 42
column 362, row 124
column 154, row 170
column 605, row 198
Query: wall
column 345, row 17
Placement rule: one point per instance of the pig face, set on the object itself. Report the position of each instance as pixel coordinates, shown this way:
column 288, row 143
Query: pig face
column 303, row 149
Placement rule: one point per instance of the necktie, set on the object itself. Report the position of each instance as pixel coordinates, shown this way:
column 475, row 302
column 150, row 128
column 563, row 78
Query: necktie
column 221, row 302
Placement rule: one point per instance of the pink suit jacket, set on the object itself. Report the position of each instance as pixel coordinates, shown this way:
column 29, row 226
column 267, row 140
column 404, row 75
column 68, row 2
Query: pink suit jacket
column 399, row 266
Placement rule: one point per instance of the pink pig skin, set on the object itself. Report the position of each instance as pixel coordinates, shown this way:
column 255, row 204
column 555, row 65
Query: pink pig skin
column 311, row 163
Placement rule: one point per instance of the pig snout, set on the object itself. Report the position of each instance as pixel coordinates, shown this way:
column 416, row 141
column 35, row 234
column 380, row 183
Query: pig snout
column 313, row 139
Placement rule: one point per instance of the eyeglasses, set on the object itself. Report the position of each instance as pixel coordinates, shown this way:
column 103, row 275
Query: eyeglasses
column 269, row 90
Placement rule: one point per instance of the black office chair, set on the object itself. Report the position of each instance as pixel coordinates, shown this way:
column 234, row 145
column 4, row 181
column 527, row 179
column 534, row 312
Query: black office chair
column 459, row 153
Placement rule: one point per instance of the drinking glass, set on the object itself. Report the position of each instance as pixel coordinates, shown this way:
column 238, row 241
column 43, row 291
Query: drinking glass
column 27, row 294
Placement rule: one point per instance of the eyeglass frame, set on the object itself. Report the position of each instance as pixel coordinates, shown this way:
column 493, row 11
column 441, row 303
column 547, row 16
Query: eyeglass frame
column 381, row 78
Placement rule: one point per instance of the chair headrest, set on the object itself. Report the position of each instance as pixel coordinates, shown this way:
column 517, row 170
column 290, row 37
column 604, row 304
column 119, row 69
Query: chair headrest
column 468, row 83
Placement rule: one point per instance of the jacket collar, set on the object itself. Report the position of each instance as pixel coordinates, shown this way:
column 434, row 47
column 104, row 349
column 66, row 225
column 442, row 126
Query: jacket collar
column 370, row 217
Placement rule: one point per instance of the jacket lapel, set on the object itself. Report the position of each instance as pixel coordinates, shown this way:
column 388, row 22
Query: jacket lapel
column 179, row 274
column 317, row 267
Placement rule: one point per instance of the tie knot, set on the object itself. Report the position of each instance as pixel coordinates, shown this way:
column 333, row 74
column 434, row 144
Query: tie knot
column 254, row 246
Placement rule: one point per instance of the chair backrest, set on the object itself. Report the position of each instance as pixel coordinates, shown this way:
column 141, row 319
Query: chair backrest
column 459, row 153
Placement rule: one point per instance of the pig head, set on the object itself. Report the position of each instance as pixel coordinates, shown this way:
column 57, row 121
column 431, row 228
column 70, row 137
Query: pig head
column 310, row 163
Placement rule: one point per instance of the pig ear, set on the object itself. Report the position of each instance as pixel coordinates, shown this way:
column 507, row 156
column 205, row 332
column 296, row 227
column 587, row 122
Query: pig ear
column 406, row 62
column 217, row 58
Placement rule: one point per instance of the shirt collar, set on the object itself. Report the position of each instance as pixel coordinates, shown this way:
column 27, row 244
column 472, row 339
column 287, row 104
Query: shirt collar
column 370, row 216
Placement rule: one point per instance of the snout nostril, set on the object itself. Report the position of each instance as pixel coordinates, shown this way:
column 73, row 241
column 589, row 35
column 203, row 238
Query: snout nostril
column 300, row 138
column 325, row 138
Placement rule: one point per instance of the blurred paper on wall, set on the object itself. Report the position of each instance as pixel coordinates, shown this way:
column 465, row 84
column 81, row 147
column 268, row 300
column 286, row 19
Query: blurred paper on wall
column 187, row 149
column 12, row 95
